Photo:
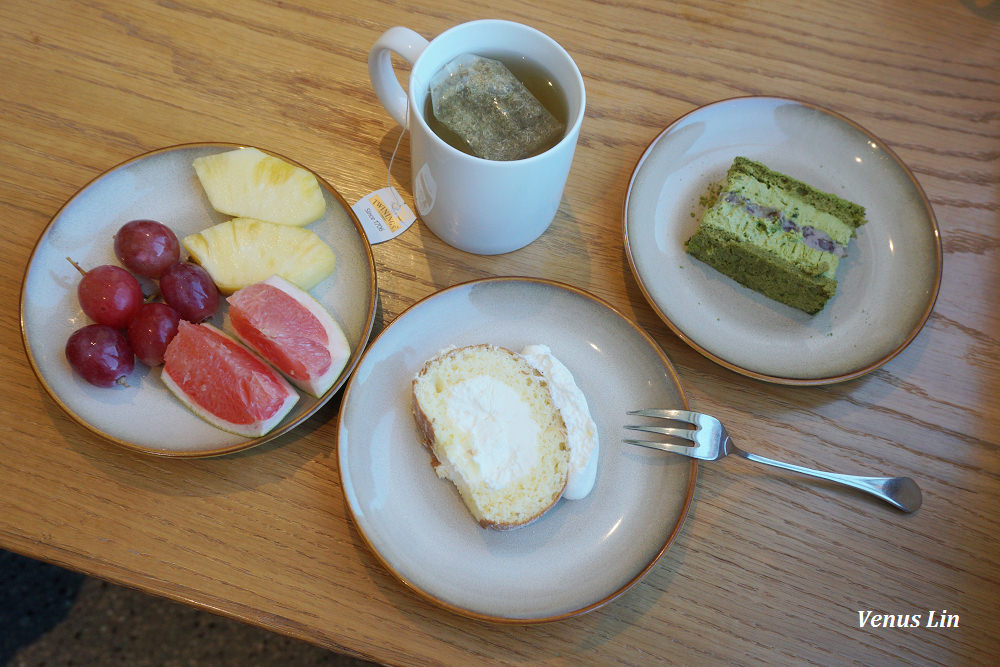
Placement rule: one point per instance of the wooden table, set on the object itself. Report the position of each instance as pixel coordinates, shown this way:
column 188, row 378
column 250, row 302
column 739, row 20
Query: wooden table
column 768, row 568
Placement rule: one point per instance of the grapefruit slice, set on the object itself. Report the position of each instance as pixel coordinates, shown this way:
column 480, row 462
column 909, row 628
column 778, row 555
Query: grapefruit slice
column 292, row 330
column 224, row 383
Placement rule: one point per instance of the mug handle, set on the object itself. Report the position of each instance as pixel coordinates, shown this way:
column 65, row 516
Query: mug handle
column 407, row 44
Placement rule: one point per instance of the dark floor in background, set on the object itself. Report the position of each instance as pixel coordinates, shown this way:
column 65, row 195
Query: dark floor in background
column 54, row 618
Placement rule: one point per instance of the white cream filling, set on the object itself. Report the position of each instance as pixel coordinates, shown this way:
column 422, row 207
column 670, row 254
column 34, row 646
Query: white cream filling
column 498, row 437
column 581, row 430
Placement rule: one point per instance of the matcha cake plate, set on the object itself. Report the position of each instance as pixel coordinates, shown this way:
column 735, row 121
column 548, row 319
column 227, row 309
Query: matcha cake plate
column 862, row 266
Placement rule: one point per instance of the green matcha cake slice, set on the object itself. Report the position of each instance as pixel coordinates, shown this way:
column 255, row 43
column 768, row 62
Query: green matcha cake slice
column 776, row 235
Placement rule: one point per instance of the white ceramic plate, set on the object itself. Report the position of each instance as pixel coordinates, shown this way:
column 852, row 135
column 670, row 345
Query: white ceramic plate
column 162, row 185
column 579, row 555
column 887, row 284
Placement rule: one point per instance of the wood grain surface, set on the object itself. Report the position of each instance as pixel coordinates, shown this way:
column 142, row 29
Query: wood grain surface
column 769, row 568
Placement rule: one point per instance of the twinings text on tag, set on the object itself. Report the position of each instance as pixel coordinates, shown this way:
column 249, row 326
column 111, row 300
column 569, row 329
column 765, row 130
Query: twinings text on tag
column 383, row 214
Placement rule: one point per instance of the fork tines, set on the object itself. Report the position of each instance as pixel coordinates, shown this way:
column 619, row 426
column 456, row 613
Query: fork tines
column 685, row 416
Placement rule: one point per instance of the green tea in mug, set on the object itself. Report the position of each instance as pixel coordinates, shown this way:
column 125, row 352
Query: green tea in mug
column 496, row 107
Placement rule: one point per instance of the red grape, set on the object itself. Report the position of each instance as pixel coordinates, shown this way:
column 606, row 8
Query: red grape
column 109, row 295
column 146, row 247
column 100, row 354
column 190, row 291
column 151, row 330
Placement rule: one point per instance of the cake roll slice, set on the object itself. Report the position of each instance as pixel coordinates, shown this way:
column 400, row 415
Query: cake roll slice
column 492, row 427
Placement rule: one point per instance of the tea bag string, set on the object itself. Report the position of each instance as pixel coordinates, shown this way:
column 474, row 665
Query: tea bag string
column 397, row 202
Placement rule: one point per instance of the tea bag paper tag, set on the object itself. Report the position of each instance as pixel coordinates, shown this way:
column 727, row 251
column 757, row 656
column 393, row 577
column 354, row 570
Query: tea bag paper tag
column 383, row 215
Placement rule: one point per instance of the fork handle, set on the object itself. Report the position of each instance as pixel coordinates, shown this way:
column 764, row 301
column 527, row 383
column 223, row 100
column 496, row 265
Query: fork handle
column 900, row 492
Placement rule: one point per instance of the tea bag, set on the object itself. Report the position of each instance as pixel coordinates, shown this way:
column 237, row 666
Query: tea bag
column 482, row 102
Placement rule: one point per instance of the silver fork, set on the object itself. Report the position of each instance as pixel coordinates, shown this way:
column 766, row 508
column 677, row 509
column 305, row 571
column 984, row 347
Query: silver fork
column 712, row 442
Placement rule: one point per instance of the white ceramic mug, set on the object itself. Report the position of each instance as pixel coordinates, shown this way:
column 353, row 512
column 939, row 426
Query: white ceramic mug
column 481, row 206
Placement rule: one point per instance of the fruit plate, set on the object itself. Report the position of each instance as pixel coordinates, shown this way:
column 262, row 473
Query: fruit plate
column 582, row 553
column 162, row 185
column 888, row 282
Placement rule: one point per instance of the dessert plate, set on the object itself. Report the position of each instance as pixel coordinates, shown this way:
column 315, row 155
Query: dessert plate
column 162, row 185
column 579, row 555
column 888, row 283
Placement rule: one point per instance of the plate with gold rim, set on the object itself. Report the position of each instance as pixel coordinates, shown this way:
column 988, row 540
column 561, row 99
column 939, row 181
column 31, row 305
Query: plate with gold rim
column 162, row 185
column 578, row 556
column 888, row 283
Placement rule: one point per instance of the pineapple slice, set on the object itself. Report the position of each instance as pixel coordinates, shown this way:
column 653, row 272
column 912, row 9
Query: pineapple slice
column 244, row 251
column 249, row 183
